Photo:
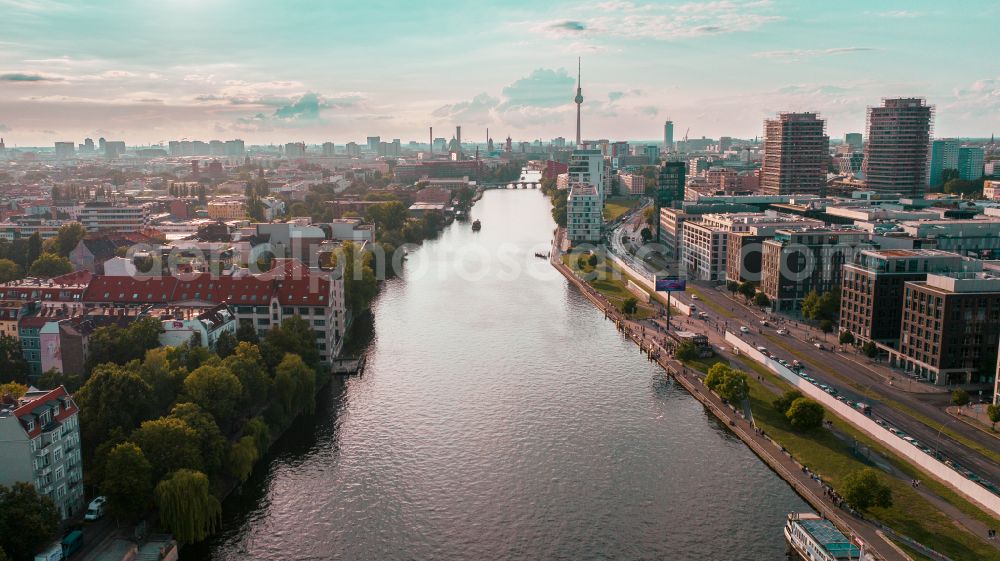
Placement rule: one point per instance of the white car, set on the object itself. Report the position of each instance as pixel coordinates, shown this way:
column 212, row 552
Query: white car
column 95, row 510
column 695, row 297
column 782, row 332
column 744, row 329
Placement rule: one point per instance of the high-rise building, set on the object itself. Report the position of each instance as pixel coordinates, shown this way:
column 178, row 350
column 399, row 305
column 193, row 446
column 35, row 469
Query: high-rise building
column 854, row 141
column 65, row 150
column 669, row 189
column 652, row 153
column 328, row 149
column 899, row 136
column 373, row 143
column 88, row 144
column 113, row 148
column 795, row 155
column 217, row 148
column 668, row 136
column 578, row 99
column 587, row 166
column 235, row 148
column 584, row 214
column 970, row 163
column 944, row 155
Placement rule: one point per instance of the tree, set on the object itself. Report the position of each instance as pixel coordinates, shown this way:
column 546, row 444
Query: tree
column 112, row 398
column 360, row 285
column 630, row 305
column 164, row 379
column 592, row 260
column 225, row 344
column 121, row 345
column 33, row 249
column 747, row 290
column 826, row 326
column 52, row 378
column 846, row 338
column 869, row 349
column 216, row 390
column 782, row 403
column 864, row 489
column 733, row 286
column 69, row 237
column 261, row 434
column 13, row 367
column 247, row 332
column 993, row 412
column 295, row 386
column 28, row 520
column 210, row 440
column 761, row 300
column 295, row 336
column 729, row 383
column 248, row 365
column 49, row 265
column 646, row 234
column 169, row 444
column 960, row 397
column 9, row 270
column 810, row 305
column 805, row 414
column 685, row 351
column 187, row 508
column 241, row 458
column 128, row 481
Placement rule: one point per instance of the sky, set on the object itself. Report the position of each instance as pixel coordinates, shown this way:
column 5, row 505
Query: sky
column 328, row 70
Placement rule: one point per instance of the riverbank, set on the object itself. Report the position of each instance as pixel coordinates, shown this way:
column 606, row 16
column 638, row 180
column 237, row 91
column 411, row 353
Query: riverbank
column 656, row 346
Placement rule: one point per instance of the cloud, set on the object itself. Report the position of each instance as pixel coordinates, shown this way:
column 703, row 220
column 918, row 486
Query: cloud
column 614, row 96
column 4, row 128
column 305, row 109
column 895, row 14
column 477, row 110
column 798, row 54
column 542, row 88
column 648, row 110
column 28, row 77
column 661, row 21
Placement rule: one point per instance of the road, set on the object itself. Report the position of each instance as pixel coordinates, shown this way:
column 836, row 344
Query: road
column 847, row 372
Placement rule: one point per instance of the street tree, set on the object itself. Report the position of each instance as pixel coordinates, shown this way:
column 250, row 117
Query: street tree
column 630, row 305
column 187, row 507
column 28, row 520
column 960, row 397
column 747, row 290
column 128, row 482
column 169, row 444
column 685, row 351
column 826, row 326
column 761, row 300
column 646, row 235
column 993, row 412
column 846, row 338
column 865, row 489
column 783, row 402
column 805, row 414
column 869, row 349
column 733, row 286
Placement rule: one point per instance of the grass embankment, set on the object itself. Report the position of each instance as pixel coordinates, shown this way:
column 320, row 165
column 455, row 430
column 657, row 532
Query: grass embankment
column 866, row 390
column 911, row 515
column 610, row 281
column 614, row 207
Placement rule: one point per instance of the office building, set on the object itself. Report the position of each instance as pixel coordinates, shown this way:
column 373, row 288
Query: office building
column 229, row 209
column 746, row 237
column 235, row 148
column 373, row 143
column 97, row 215
column 668, row 136
column 796, row 152
column 854, row 141
column 584, row 214
column 871, row 297
column 950, row 328
column 40, row 445
column 970, row 163
column 899, row 134
column 632, row 183
column 796, row 262
column 113, row 149
column 944, row 156
column 65, row 150
column 295, row 150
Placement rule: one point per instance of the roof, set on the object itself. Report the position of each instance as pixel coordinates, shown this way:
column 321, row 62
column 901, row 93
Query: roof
column 35, row 403
column 824, row 532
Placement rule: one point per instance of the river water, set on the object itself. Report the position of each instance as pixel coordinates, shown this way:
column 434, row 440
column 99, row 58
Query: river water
column 501, row 417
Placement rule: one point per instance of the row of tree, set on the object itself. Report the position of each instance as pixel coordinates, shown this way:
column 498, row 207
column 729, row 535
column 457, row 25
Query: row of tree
column 45, row 260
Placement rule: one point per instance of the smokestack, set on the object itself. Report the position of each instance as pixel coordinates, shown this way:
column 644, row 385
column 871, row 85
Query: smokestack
column 458, row 136
column 431, row 143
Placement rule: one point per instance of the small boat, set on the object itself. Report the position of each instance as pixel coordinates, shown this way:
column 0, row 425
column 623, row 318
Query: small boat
column 541, row 255
column 477, row 225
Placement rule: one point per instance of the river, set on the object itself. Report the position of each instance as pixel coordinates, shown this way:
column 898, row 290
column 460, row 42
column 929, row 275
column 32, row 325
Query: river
column 501, row 417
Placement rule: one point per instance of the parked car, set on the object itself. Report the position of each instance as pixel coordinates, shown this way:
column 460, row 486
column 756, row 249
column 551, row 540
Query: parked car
column 744, row 329
column 95, row 510
column 819, row 346
column 695, row 297
column 764, row 322
column 782, row 332
column 702, row 315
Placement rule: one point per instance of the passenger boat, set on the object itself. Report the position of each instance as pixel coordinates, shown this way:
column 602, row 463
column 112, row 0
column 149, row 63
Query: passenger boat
column 813, row 538
column 477, row 225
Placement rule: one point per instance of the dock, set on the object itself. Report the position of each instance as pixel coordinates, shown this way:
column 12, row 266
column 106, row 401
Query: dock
column 349, row 366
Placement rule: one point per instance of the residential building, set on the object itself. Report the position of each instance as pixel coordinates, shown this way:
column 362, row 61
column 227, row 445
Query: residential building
column 584, row 214
column 796, row 262
column 899, row 135
column 970, row 163
column 185, row 324
column 97, row 216
column 871, row 297
column 40, row 445
column 632, row 183
column 587, row 166
column 295, row 150
column 704, row 251
column 227, row 209
column 65, row 150
column 991, row 190
column 93, row 250
column 854, row 141
column 745, row 241
column 944, row 155
column 796, row 151
column 950, row 328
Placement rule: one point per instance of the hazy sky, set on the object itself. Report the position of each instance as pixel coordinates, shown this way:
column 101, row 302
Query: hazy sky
column 278, row 71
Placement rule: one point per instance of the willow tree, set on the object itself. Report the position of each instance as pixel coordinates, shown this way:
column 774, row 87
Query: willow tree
column 241, row 457
column 187, row 507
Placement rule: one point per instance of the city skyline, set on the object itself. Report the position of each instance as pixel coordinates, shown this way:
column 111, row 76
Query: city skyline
column 220, row 69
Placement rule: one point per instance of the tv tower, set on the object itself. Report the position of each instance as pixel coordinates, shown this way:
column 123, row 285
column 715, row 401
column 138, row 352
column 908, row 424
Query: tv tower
column 578, row 99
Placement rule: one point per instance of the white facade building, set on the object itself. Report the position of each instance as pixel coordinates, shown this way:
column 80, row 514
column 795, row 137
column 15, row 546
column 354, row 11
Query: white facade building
column 584, row 214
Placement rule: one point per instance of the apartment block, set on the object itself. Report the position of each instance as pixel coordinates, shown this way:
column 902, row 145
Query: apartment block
column 796, row 151
column 584, row 214
column 899, row 136
column 100, row 216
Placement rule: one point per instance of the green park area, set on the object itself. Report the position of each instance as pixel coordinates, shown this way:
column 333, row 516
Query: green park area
column 608, row 279
column 614, row 207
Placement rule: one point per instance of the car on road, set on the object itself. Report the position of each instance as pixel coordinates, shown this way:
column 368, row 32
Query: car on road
column 702, row 315
column 764, row 322
column 95, row 510
column 782, row 332
column 819, row 346
column 744, row 329
column 695, row 297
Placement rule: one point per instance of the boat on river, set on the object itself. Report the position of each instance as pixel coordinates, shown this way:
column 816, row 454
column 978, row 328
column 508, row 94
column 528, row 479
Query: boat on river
column 477, row 225
column 813, row 538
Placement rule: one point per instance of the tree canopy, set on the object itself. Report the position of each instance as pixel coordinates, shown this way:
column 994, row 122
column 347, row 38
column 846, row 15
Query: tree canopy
column 28, row 520
column 169, row 444
column 49, row 265
column 187, row 508
column 864, row 489
column 128, row 481
column 729, row 383
column 805, row 414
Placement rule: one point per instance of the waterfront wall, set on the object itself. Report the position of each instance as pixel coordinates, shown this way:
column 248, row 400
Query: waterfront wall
column 928, row 463
column 645, row 283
